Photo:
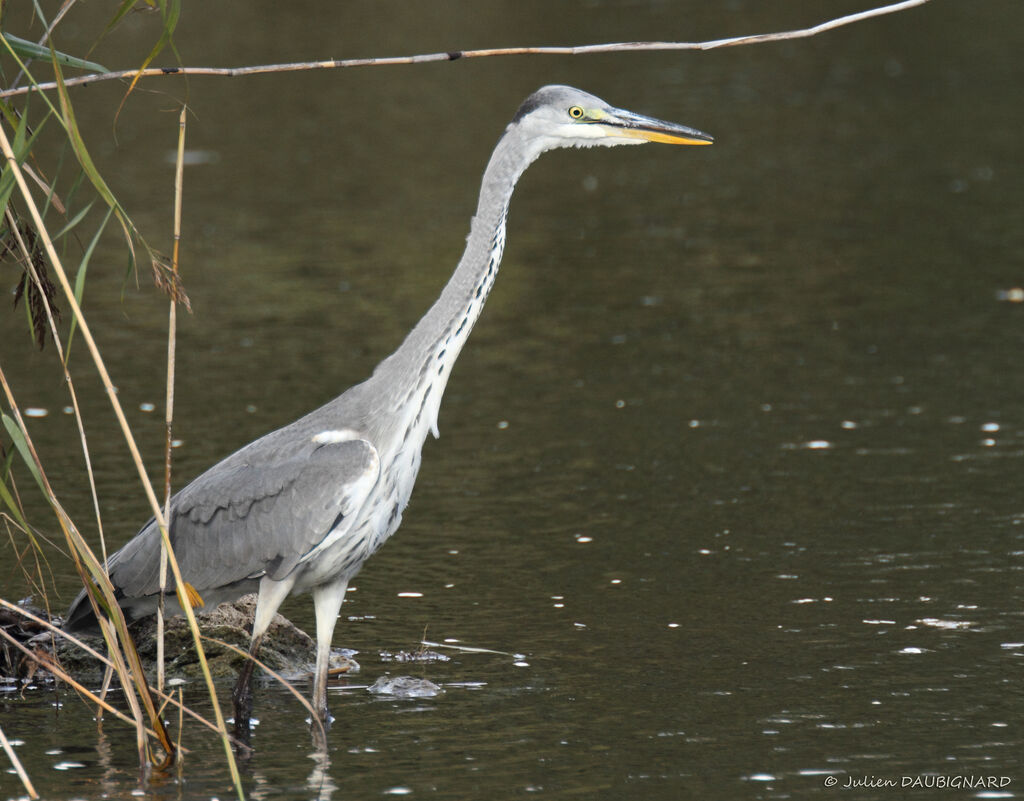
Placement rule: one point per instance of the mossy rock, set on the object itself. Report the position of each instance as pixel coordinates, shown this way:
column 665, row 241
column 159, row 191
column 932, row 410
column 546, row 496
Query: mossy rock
column 286, row 649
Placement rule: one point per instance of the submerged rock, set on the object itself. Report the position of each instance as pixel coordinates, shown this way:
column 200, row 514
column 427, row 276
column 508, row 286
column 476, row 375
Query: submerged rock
column 421, row 655
column 405, row 687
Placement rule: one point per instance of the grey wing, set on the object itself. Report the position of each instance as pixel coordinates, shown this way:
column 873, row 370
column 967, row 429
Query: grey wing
column 257, row 512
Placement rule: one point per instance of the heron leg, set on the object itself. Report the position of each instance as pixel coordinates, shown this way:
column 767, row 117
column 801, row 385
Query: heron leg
column 327, row 600
column 271, row 595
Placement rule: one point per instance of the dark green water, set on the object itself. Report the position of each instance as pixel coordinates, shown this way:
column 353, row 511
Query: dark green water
column 733, row 459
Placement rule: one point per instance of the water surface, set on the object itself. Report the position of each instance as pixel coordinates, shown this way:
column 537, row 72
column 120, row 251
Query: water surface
column 730, row 469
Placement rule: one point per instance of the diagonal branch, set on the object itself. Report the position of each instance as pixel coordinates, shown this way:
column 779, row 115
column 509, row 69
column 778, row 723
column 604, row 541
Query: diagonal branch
column 611, row 47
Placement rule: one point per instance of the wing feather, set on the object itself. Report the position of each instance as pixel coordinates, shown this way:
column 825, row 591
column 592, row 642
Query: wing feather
column 259, row 511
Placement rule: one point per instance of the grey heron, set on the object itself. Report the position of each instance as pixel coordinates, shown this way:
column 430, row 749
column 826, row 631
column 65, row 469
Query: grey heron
column 303, row 507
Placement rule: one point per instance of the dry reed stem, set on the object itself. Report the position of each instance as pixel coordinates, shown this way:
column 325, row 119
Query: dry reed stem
column 75, row 541
column 62, row 278
column 9, row 750
column 30, row 267
column 122, row 670
column 56, row 670
column 172, row 331
column 103, row 660
column 147, row 486
column 611, row 47
column 59, row 673
column 58, row 268
column 167, row 698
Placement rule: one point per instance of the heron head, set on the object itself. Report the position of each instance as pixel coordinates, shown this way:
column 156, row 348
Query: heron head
column 561, row 116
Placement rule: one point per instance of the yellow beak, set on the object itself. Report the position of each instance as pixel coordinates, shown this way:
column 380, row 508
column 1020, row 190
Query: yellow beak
column 636, row 126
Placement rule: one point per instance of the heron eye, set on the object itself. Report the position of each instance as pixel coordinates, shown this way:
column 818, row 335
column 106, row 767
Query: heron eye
column 576, row 112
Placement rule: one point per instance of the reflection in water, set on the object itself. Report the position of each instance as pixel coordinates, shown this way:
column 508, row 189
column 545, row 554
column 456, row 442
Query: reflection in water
column 320, row 782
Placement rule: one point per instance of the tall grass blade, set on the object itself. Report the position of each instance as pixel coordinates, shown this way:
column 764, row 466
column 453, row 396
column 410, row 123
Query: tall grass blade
column 80, row 150
column 119, row 645
column 171, row 12
column 123, row 10
column 70, row 225
column 12, row 505
column 99, row 588
column 27, row 49
column 100, row 592
column 22, row 146
column 83, row 267
column 14, row 431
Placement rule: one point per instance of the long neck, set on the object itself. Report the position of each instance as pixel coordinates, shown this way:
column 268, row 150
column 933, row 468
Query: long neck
column 415, row 375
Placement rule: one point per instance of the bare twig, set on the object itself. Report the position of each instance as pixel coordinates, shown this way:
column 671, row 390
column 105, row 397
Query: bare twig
column 611, row 47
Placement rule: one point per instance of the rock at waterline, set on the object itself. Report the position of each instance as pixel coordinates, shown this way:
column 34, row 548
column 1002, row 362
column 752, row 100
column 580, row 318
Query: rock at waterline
column 405, row 687
column 286, row 649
